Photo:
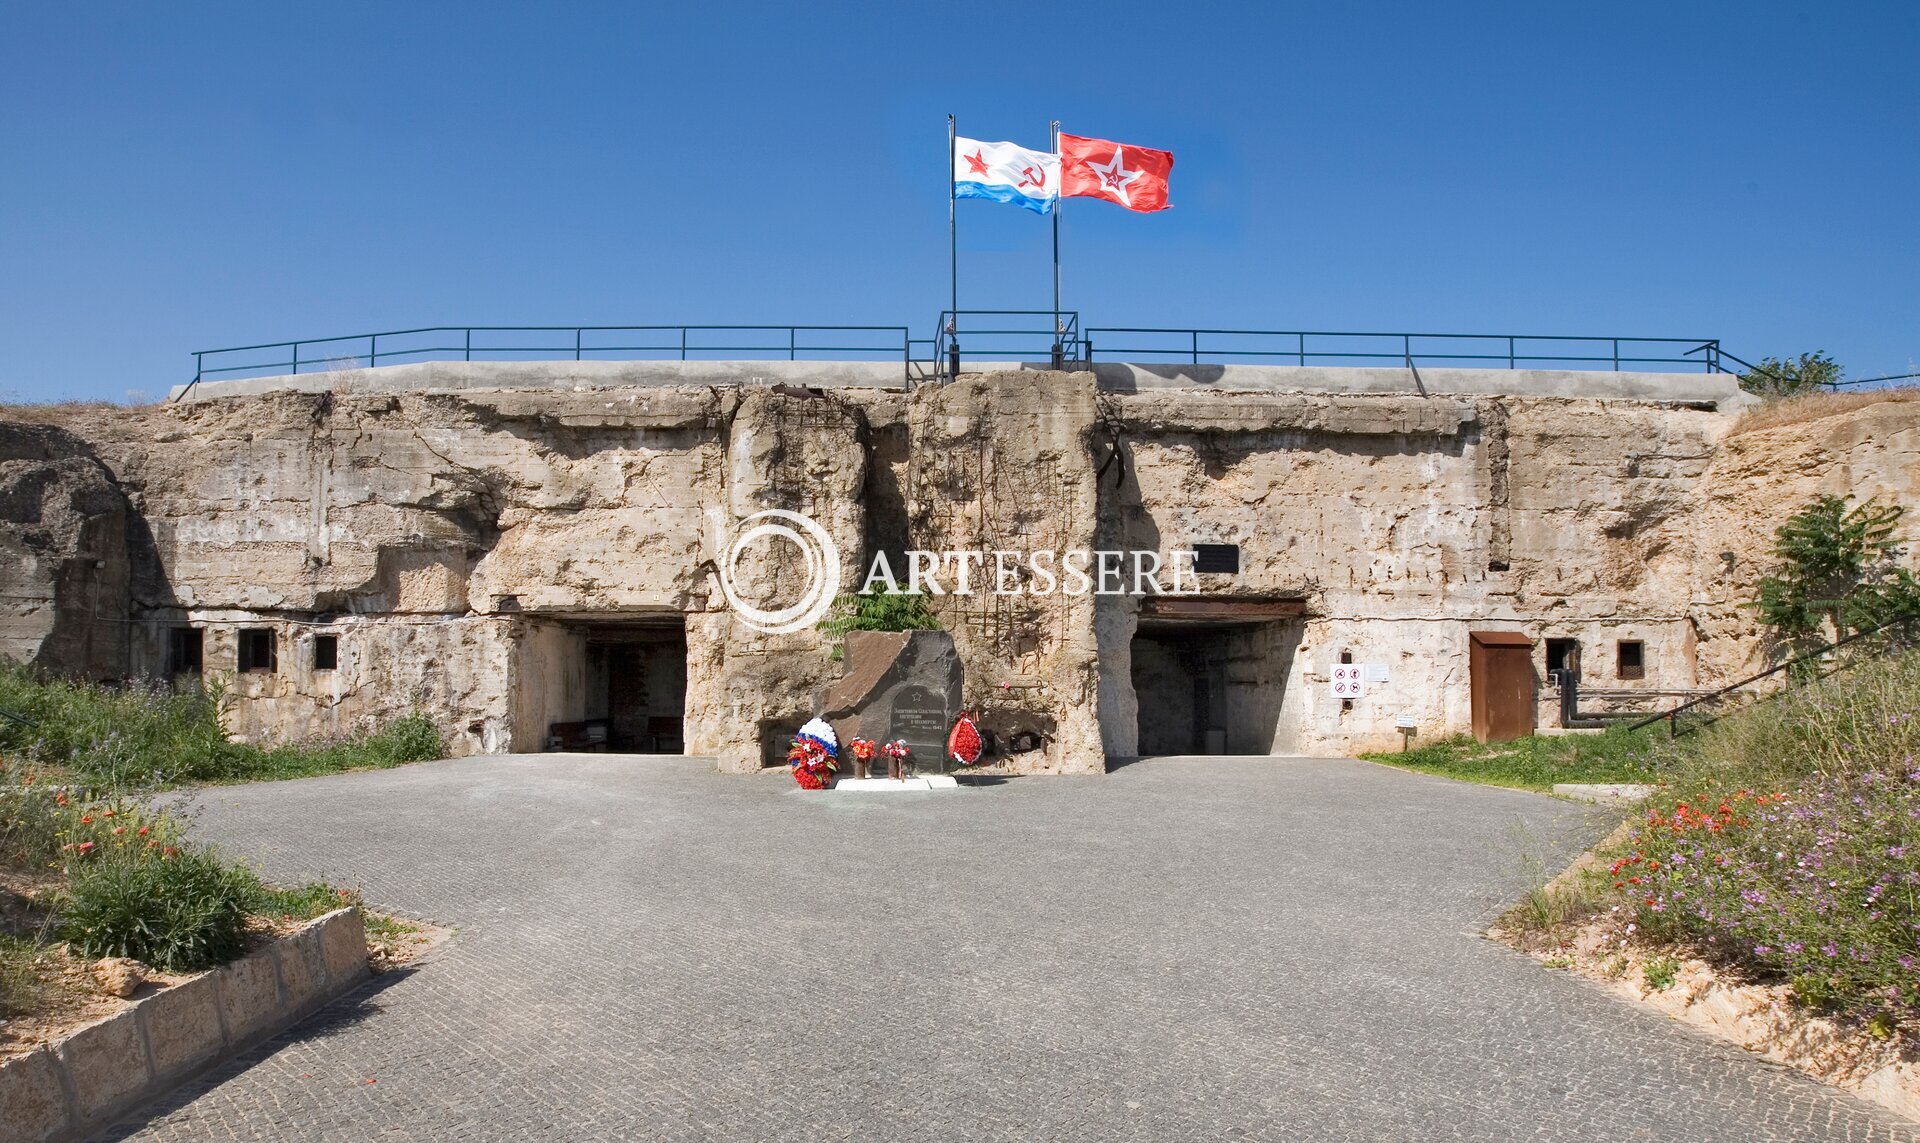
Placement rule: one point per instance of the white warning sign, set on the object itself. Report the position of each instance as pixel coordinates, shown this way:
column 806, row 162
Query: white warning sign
column 1349, row 680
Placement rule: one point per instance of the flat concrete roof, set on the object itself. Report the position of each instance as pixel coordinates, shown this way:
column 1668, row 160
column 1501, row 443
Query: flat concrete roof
column 1720, row 390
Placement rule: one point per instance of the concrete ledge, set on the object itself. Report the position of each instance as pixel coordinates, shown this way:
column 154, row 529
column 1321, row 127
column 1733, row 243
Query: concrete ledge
column 889, row 785
column 84, row 1081
column 1602, row 791
column 1719, row 390
column 426, row 376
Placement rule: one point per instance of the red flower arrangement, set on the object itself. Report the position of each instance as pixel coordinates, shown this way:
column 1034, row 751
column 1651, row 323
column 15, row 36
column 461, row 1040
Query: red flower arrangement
column 814, row 755
column 964, row 743
column 812, row 766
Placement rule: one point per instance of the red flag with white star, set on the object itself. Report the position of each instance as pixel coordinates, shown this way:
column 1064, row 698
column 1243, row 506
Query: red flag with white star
column 1134, row 177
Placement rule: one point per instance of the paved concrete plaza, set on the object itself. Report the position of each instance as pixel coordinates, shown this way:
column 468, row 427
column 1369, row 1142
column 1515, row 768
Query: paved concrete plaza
column 1184, row 949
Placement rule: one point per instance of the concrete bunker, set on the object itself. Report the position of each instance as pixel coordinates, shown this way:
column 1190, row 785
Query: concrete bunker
column 1210, row 676
column 614, row 685
column 478, row 542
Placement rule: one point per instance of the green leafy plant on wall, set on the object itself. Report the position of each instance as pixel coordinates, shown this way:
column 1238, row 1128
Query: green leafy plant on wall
column 877, row 612
column 1839, row 573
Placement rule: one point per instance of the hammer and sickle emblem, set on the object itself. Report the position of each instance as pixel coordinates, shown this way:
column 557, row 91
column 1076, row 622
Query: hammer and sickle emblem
column 1033, row 176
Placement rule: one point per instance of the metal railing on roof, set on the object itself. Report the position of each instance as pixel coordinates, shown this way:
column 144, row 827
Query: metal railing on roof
column 1037, row 335
column 1332, row 347
column 986, row 334
column 557, row 342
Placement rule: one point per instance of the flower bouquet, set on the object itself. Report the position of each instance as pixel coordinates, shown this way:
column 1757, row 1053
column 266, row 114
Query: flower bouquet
column 814, row 755
column 864, row 751
column 898, row 753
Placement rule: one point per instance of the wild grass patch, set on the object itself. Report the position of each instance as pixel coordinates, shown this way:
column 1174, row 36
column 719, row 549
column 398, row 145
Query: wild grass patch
column 153, row 737
column 1538, row 762
column 1786, row 844
column 1815, row 406
column 22, row 989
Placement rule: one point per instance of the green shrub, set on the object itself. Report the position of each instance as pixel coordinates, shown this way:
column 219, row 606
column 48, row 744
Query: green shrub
column 181, row 909
column 877, row 612
column 1660, row 971
column 1777, row 377
column 30, row 825
column 151, row 737
column 314, row 899
column 1814, row 991
column 1839, row 573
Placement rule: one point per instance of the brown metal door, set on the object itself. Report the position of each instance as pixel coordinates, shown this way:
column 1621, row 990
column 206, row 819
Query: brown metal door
column 1500, row 670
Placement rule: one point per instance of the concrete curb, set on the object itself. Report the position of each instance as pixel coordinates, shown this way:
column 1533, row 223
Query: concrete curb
column 82, row 1082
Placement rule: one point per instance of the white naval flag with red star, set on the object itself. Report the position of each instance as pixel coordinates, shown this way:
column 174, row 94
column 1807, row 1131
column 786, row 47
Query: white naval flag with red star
column 1134, row 177
column 1004, row 172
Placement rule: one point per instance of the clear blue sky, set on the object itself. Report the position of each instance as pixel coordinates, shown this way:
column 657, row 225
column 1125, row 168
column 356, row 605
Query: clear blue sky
column 185, row 176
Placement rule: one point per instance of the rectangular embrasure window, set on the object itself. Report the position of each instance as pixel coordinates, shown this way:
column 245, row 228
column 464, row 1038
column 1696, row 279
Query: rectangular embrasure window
column 1216, row 559
column 256, row 649
column 185, row 647
column 1563, row 655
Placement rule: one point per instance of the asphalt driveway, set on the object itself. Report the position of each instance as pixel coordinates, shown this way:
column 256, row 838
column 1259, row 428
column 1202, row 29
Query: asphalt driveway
column 1184, row 949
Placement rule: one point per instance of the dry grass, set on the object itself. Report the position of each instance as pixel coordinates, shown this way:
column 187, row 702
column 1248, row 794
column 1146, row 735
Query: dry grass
column 62, row 414
column 1814, row 406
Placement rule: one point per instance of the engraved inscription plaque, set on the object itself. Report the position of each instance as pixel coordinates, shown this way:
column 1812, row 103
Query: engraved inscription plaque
column 921, row 718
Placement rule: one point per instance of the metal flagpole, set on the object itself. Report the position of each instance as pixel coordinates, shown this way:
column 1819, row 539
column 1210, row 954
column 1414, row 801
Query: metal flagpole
column 953, row 261
column 1059, row 356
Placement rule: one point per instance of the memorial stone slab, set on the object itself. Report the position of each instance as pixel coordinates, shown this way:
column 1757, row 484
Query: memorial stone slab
column 899, row 684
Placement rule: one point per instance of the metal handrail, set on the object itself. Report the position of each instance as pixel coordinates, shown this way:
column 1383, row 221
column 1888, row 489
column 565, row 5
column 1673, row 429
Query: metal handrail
column 1061, row 339
column 1671, row 717
column 1066, row 341
column 896, row 340
column 1303, row 353
column 1831, row 386
column 1836, row 386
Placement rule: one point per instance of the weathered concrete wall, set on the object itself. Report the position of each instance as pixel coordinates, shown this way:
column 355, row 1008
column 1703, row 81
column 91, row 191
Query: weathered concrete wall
column 1404, row 522
column 1001, row 463
column 460, row 542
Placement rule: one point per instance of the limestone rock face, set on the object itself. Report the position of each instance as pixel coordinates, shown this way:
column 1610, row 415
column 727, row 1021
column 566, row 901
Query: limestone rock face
column 799, row 454
column 1757, row 478
column 65, row 559
column 463, row 551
